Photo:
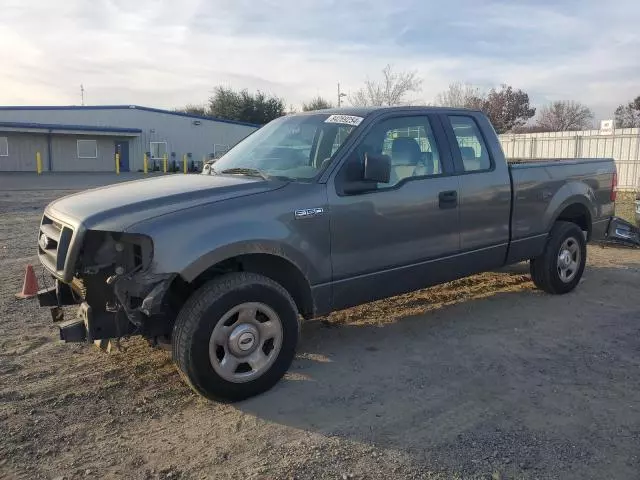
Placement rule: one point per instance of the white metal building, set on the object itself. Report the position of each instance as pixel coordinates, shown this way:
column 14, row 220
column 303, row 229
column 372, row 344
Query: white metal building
column 87, row 138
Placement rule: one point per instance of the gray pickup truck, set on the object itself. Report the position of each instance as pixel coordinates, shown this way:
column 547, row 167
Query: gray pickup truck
column 310, row 214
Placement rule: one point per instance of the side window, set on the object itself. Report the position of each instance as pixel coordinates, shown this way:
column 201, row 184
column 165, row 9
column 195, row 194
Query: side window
column 472, row 148
column 410, row 144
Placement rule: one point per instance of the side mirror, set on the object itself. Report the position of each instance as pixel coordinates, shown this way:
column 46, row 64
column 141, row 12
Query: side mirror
column 362, row 177
column 377, row 168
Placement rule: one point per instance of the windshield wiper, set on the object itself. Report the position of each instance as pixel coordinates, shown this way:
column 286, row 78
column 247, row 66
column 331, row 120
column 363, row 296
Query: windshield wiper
column 251, row 172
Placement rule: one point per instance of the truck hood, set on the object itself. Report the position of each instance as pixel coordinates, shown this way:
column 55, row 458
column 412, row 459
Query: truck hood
column 117, row 207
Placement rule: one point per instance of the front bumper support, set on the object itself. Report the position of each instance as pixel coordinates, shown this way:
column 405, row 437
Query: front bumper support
column 73, row 330
column 121, row 320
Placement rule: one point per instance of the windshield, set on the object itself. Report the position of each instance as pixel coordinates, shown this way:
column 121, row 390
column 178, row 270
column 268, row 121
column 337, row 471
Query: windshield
column 290, row 147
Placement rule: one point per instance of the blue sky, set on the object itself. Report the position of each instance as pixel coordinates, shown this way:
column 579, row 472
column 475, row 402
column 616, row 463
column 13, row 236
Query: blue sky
column 169, row 53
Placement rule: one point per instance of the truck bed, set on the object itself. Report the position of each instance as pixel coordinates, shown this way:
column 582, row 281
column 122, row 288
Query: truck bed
column 541, row 187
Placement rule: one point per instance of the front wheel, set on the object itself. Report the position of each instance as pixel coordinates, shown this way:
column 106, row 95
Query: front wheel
column 236, row 336
column 559, row 269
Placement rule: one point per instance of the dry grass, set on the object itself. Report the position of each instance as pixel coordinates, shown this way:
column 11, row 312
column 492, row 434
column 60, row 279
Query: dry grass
column 625, row 206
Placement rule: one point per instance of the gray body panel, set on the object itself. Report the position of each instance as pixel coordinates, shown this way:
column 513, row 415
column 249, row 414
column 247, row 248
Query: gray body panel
column 544, row 189
column 358, row 247
column 261, row 222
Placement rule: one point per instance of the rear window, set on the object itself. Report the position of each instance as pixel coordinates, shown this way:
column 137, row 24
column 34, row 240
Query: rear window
column 473, row 150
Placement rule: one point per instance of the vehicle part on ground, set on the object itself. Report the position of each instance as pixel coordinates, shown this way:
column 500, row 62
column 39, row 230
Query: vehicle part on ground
column 622, row 232
column 559, row 269
column 236, row 336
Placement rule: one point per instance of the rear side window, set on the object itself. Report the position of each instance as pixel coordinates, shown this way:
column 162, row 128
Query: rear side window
column 473, row 150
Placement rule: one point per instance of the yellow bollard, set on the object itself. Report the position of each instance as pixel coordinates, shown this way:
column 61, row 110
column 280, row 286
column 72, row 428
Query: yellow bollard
column 38, row 163
column 146, row 163
column 117, row 164
column 184, row 162
column 165, row 163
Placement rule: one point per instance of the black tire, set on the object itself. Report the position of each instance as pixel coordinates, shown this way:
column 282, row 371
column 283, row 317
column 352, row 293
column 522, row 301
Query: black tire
column 544, row 269
column 199, row 316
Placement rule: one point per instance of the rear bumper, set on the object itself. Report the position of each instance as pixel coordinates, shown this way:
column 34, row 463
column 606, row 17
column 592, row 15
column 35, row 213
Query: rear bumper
column 622, row 232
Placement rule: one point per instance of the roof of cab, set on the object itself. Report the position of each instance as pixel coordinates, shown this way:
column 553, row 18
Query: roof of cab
column 365, row 111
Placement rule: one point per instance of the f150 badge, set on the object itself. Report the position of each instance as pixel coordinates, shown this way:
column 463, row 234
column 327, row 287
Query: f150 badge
column 308, row 212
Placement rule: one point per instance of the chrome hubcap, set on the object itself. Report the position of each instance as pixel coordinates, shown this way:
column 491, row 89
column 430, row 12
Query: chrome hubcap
column 245, row 342
column 568, row 259
column 243, row 339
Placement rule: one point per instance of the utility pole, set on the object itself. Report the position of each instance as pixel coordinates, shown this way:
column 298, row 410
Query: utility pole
column 340, row 95
column 82, row 94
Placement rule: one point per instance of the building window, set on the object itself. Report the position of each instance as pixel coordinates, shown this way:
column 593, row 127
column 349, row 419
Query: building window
column 158, row 150
column 87, row 149
column 4, row 147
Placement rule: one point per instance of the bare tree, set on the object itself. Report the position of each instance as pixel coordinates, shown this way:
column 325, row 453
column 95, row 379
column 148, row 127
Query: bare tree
column 459, row 95
column 565, row 115
column 391, row 90
column 317, row 103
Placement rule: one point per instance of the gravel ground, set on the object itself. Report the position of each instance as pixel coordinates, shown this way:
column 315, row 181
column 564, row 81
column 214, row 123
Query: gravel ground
column 484, row 377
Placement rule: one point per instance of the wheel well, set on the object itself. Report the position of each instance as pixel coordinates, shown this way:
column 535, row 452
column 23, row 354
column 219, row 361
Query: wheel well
column 274, row 267
column 579, row 214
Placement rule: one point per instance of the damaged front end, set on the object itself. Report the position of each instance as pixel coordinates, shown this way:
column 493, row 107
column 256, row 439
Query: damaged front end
column 117, row 294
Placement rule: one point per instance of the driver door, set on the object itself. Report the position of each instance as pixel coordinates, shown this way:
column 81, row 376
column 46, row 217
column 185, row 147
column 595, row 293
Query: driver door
column 396, row 237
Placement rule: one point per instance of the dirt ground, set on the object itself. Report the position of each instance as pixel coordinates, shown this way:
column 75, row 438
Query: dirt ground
column 485, row 377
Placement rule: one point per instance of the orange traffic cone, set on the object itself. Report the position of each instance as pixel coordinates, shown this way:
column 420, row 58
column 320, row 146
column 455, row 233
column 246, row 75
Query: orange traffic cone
column 30, row 285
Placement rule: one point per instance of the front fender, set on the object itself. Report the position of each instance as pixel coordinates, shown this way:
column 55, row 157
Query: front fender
column 262, row 246
column 190, row 241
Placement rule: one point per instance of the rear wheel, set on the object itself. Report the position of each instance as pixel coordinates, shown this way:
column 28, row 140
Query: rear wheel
column 236, row 336
column 559, row 269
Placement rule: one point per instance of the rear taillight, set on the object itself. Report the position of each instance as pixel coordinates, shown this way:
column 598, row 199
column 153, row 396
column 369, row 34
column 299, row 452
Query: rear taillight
column 614, row 186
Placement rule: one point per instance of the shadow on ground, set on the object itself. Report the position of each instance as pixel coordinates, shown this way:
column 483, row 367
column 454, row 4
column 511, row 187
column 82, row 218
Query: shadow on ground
column 520, row 381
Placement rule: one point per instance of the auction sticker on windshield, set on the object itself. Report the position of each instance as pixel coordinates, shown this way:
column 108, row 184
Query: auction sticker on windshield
column 344, row 120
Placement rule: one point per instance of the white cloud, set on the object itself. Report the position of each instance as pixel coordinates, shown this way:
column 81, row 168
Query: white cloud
column 166, row 53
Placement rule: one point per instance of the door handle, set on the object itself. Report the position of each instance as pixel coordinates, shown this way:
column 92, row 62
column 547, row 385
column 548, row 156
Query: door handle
column 448, row 199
